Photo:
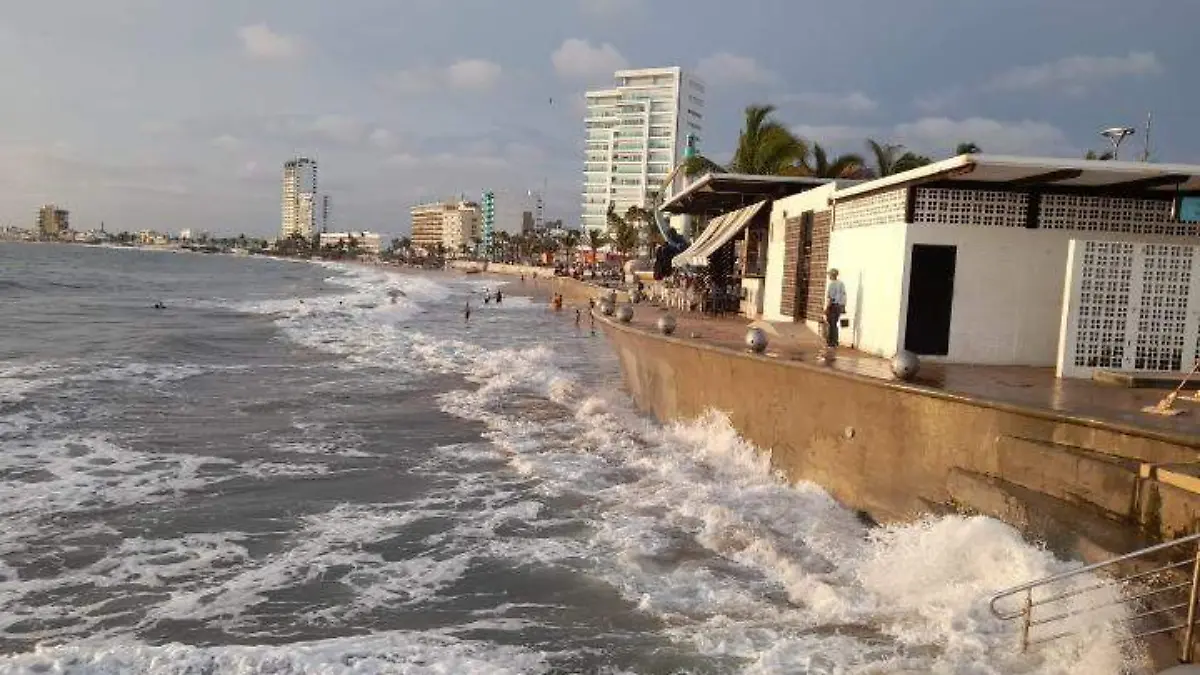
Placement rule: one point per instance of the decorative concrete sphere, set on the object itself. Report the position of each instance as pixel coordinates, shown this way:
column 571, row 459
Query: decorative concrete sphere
column 625, row 313
column 666, row 324
column 756, row 340
column 606, row 307
column 905, row 365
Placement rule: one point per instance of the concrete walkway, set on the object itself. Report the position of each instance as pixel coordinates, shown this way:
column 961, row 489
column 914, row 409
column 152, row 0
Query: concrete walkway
column 1018, row 385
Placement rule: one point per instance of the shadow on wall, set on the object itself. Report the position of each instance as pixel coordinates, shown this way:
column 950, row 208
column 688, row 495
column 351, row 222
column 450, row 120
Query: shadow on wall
column 858, row 305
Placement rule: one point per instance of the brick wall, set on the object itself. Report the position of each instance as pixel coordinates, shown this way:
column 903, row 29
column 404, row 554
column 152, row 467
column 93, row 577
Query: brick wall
column 814, row 307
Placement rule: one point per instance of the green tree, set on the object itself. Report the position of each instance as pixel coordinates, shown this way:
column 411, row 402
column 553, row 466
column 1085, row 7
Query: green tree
column 765, row 147
column 816, row 163
column 595, row 239
column 967, row 148
column 1103, row 156
column 892, row 158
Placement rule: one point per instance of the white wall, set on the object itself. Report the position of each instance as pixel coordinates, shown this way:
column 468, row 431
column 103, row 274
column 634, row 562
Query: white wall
column 1008, row 290
column 871, row 261
column 816, row 199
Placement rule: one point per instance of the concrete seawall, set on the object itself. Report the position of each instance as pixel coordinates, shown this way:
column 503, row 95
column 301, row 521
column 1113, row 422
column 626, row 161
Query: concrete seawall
column 897, row 451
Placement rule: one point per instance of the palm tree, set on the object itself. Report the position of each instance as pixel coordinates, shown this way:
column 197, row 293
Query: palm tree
column 595, row 239
column 817, row 164
column 967, row 148
column 765, row 147
column 892, row 158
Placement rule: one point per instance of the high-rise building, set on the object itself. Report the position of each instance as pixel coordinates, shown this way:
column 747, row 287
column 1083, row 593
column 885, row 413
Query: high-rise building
column 301, row 211
column 448, row 224
column 636, row 134
column 326, row 213
column 526, row 222
column 52, row 220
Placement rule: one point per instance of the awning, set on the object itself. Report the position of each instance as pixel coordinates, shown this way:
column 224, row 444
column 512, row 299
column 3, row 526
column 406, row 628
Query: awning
column 719, row 231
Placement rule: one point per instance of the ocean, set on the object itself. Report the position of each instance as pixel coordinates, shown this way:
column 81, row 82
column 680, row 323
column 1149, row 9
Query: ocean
column 321, row 468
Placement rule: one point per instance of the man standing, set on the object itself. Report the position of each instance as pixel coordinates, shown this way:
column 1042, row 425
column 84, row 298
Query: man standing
column 835, row 306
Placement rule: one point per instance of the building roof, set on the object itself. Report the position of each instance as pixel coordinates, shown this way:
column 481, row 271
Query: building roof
column 1043, row 172
column 724, row 192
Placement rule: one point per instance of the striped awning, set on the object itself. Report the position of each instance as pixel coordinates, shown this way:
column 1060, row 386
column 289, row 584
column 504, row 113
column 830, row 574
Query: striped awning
column 719, row 231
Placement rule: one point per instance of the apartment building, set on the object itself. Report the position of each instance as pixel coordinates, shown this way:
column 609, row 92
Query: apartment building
column 636, row 133
column 449, row 224
column 52, row 220
column 301, row 206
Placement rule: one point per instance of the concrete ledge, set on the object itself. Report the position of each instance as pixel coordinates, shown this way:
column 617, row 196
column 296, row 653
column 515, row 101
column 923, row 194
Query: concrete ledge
column 1070, row 473
column 1137, row 380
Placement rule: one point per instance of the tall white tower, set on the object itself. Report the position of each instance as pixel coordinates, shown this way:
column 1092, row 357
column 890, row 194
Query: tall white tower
column 300, row 214
column 636, row 134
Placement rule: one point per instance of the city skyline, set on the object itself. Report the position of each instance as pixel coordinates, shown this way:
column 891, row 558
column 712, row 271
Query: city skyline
column 124, row 138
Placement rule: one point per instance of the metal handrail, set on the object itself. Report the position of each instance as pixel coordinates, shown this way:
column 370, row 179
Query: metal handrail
column 1172, row 583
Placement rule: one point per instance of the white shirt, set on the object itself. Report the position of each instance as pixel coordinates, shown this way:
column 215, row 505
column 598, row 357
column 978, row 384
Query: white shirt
column 836, row 292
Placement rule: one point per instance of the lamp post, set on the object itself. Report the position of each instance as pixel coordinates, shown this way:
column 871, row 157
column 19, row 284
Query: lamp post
column 1115, row 135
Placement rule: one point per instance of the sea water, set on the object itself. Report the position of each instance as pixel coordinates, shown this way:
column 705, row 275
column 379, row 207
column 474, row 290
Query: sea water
column 322, row 468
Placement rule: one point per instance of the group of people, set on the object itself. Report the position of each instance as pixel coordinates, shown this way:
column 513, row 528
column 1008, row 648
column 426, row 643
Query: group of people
column 488, row 296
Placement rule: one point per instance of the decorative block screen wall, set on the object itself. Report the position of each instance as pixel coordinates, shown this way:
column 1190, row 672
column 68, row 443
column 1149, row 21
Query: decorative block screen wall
column 818, row 267
column 793, row 241
column 884, row 208
column 1111, row 214
column 1130, row 307
column 946, row 206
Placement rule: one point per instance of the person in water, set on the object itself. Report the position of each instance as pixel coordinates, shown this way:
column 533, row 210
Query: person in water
column 499, row 297
column 578, row 316
column 467, row 312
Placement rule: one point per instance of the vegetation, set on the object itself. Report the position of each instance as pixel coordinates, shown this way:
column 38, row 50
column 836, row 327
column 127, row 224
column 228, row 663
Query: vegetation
column 767, row 147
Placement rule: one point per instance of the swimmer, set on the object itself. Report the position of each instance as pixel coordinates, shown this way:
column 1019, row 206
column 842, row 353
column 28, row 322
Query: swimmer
column 498, row 297
column 467, row 312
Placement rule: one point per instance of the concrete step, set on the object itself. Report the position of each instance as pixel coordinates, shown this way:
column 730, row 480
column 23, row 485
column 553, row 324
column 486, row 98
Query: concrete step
column 1073, row 474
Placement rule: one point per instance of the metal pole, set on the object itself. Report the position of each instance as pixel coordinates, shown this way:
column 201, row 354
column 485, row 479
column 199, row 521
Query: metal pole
column 1185, row 655
column 1027, row 613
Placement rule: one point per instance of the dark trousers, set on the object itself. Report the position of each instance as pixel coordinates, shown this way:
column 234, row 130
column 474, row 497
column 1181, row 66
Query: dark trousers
column 833, row 316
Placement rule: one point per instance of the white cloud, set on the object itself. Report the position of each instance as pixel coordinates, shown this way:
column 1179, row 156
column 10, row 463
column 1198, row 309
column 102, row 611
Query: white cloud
column 227, row 142
column 473, row 74
column 464, row 75
column 937, row 136
column 725, row 69
column 260, row 42
column 611, row 9
column 382, row 139
column 578, row 60
column 1075, row 74
column 340, row 128
column 854, row 102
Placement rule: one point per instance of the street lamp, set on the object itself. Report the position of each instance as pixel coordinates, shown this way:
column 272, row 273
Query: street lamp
column 1115, row 135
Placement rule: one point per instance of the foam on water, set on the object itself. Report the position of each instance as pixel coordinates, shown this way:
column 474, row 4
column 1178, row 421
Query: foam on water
column 687, row 522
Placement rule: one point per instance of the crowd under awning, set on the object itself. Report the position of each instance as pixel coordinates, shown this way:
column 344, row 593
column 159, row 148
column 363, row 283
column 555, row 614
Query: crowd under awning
column 719, row 232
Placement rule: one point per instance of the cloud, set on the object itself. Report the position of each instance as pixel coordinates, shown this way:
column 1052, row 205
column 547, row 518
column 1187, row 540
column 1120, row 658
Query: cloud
column 464, row 75
column 725, row 69
column 473, row 75
column 1075, row 74
column 937, row 136
column 260, row 42
column 578, row 60
column 854, row 102
column 227, row 142
column 382, row 139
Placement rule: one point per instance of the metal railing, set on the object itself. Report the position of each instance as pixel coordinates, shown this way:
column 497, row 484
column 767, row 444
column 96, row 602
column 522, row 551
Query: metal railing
column 1152, row 601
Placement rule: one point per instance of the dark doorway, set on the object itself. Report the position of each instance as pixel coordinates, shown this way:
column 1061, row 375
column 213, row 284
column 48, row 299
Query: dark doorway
column 930, row 297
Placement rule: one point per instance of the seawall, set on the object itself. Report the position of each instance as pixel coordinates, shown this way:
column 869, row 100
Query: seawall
column 897, row 451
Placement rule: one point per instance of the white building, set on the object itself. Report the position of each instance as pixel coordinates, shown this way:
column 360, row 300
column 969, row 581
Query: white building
column 448, row 224
column 367, row 242
column 636, row 134
column 300, row 206
column 1077, row 264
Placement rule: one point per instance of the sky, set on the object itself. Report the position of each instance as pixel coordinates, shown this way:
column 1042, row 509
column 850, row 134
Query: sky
column 172, row 114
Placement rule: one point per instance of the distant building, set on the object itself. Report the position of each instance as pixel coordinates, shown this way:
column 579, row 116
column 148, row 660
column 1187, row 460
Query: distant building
column 326, row 213
column 448, row 224
column 636, row 134
column 527, row 225
column 52, row 221
column 185, row 235
column 301, row 212
column 367, row 242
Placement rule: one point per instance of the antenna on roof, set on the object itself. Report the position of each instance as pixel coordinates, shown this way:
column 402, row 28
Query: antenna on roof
column 1146, row 138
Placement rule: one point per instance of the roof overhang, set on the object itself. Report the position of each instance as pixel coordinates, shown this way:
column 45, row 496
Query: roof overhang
column 725, row 192
column 1042, row 173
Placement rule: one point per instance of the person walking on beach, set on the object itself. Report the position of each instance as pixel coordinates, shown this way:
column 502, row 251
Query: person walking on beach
column 835, row 295
column 467, row 312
